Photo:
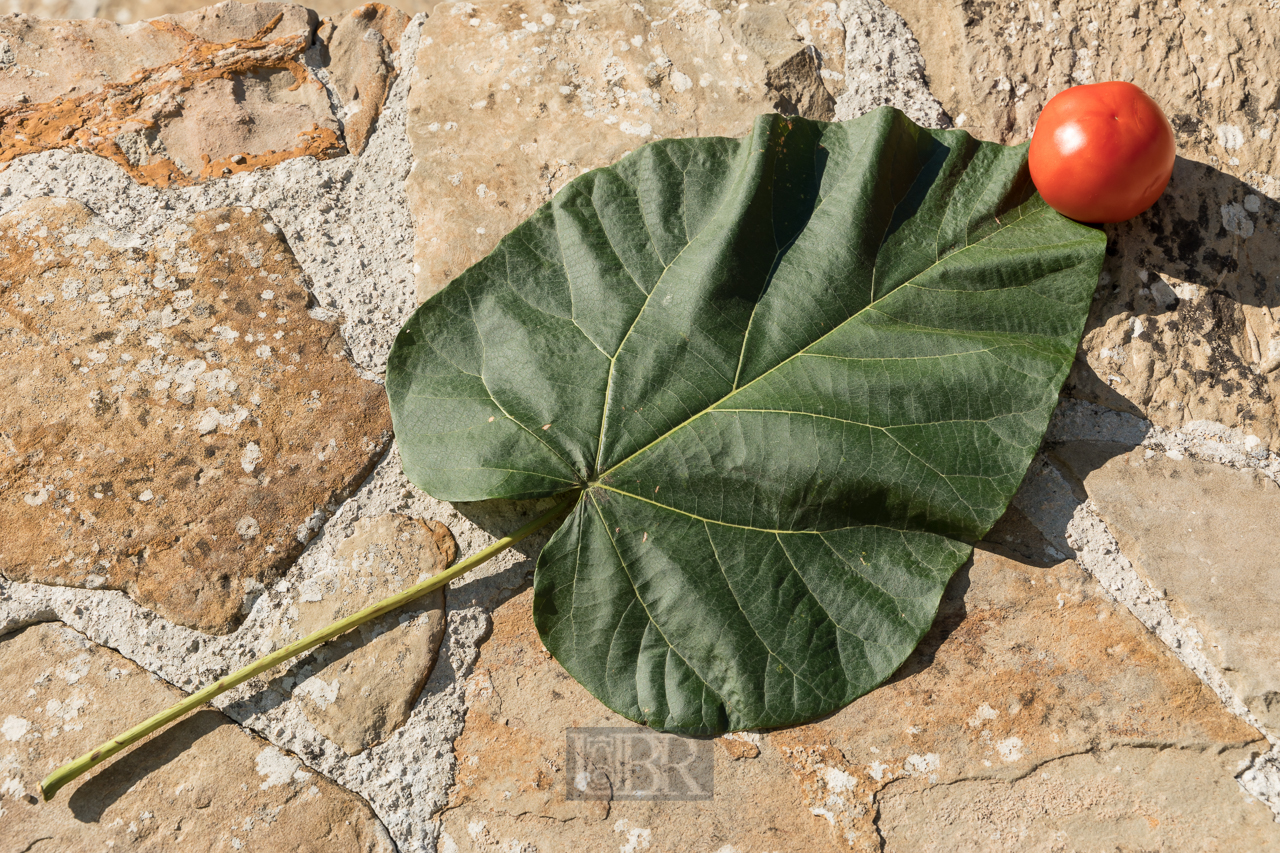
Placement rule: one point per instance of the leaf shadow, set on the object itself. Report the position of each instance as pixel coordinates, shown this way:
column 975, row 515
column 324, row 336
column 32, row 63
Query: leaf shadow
column 500, row 518
column 92, row 798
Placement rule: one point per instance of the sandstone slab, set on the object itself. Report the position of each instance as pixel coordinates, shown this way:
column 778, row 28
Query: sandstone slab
column 1035, row 716
column 359, row 688
column 128, row 11
column 1214, row 66
column 175, row 423
column 1206, row 535
column 512, row 100
column 202, row 94
column 202, row 785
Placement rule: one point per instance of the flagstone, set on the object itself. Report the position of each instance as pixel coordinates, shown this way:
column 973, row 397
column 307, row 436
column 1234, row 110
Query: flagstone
column 175, row 422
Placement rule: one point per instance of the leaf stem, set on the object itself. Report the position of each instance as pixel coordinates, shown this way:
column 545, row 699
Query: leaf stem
column 102, row 752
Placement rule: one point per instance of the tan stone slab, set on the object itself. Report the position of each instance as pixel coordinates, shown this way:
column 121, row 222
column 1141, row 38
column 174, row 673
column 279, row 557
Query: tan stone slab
column 128, row 11
column 361, row 67
column 198, row 95
column 173, row 418
column 1002, row 732
column 362, row 686
column 1005, row 729
column 512, row 100
column 203, row 784
column 1214, row 67
column 1186, row 325
column 1208, row 536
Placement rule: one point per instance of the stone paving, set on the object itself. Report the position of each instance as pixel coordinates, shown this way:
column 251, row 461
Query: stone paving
column 215, row 221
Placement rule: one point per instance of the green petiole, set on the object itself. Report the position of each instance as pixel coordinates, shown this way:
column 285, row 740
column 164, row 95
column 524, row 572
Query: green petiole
column 69, row 771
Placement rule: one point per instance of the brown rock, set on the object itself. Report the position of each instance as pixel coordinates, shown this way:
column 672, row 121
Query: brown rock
column 1185, row 326
column 203, row 94
column 1029, row 692
column 173, row 417
column 203, row 784
column 361, row 67
column 199, row 112
column 1207, row 536
column 1005, row 729
column 512, row 100
column 363, row 685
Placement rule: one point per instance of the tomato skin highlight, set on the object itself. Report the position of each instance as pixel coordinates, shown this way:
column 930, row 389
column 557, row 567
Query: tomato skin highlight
column 1102, row 152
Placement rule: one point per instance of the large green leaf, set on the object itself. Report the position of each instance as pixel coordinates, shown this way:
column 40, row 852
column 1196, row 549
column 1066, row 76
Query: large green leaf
column 796, row 376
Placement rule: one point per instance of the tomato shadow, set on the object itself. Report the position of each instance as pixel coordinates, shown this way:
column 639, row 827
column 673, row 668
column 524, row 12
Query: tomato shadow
column 1187, row 311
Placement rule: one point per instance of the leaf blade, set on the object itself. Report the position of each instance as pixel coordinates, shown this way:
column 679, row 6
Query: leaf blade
column 850, row 333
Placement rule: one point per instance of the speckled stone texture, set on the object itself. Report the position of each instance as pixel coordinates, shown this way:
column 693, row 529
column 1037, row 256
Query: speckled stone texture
column 359, row 688
column 1185, row 326
column 197, row 95
column 516, row 99
column 173, row 417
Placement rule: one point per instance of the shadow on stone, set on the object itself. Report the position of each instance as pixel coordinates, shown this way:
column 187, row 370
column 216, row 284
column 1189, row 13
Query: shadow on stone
column 1185, row 324
column 501, row 518
column 951, row 613
column 98, row 794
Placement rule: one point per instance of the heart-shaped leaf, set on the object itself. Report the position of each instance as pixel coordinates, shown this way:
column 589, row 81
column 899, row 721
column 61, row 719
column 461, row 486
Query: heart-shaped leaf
column 795, row 376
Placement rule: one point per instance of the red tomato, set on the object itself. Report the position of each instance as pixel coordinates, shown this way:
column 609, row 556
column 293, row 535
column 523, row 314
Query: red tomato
column 1102, row 152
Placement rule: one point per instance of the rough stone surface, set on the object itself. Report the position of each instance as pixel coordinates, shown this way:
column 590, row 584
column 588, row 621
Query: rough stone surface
column 347, row 223
column 202, row 94
column 128, row 11
column 173, row 417
column 364, row 684
column 1035, row 713
column 1186, row 323
column 1054, row 516
column 883, row 65
column 202, row 785
column 350, row 225
column 362, row 46
column 515, row 99
column 1214, row 66
column 1201, row 534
